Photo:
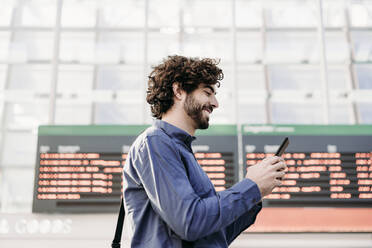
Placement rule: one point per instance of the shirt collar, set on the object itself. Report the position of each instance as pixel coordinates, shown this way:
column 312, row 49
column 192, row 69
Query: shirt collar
column 175, row 132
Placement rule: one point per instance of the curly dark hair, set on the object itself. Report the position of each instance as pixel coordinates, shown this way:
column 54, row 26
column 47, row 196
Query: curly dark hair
column 188, row 72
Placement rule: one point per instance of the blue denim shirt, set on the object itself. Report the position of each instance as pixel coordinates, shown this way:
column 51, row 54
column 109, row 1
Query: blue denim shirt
column 170, row 201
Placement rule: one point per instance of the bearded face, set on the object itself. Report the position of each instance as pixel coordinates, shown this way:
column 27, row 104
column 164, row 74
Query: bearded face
column 198, row 111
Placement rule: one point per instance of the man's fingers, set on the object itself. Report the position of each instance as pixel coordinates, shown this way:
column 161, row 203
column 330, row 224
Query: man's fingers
column 273, row 160
column 280, row 166
column 277, row 182
column 280, row 174
column 280, row 159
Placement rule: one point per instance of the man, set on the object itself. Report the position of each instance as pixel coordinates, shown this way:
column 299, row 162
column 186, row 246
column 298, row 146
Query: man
column 168, row 198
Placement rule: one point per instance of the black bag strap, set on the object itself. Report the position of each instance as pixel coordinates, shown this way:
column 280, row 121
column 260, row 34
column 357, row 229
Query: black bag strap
column 119, row 226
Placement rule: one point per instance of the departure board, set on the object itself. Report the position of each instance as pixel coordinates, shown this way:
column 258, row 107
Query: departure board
column 327, row 165
column 216, row 150
column 79, row 168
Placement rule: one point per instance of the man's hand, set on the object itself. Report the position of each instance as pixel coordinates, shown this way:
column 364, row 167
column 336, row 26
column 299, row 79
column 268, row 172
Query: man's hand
column 267, row 174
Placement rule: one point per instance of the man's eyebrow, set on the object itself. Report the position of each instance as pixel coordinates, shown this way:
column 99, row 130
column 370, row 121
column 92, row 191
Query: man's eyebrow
column 211, row 88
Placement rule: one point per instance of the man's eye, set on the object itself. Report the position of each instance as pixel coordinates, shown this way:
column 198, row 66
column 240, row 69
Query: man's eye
column 208, row 93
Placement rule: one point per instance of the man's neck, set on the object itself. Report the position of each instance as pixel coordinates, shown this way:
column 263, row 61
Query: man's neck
column 180, row 120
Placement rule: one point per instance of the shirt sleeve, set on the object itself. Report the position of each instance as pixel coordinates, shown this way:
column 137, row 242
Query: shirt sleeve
column 242, row 223
column 165, row 181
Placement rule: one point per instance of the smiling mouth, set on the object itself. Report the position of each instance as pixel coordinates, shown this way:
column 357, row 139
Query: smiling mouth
column 208, row 109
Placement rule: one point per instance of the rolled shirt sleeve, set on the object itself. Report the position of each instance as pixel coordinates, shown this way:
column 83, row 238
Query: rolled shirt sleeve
column 166, row 183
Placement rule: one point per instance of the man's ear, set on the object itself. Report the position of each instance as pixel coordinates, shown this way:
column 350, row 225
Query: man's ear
column 177, row 91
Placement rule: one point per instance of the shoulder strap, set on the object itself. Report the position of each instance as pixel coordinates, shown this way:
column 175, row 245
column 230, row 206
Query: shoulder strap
column 119, row 226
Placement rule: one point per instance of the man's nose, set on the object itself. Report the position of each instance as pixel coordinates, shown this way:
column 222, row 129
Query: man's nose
column 214, row 102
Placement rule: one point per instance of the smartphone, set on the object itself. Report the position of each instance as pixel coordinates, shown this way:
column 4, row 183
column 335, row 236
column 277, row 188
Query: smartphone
column 282, row 147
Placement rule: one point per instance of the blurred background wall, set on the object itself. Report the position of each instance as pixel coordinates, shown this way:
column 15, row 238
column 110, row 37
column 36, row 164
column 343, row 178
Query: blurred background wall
column 86, row 62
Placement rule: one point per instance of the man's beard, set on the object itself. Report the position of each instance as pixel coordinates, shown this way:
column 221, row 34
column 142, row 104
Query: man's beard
column 194, row 109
